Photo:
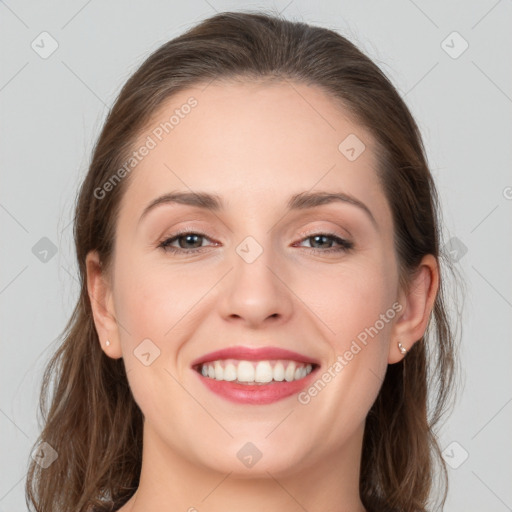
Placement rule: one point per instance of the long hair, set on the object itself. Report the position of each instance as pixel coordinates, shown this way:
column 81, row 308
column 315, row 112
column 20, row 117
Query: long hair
column 90, row 416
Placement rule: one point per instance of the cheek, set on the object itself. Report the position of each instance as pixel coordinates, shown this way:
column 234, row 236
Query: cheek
column 152, row 300
column 356, row 310
column 350, row 300
column 152, row 306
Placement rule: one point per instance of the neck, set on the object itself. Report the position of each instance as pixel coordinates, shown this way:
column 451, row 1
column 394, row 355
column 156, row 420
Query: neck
column 170, row 482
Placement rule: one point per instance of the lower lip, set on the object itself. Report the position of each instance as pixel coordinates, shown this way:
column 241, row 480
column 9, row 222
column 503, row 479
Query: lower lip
column 256, row 394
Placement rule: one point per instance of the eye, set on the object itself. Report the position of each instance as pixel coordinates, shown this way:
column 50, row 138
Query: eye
column 191, row 242
column 188, row 242
column 328, row 239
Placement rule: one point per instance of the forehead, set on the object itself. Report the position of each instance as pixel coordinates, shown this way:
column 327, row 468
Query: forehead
column 250, row 142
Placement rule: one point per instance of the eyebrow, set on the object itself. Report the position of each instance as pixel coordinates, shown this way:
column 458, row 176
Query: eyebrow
column 301, row 201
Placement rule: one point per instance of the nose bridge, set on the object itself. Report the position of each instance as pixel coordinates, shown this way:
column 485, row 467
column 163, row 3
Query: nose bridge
column 255, row 292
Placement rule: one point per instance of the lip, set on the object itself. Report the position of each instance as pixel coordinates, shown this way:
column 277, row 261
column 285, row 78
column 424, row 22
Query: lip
column 255, row 394
column 254, row 354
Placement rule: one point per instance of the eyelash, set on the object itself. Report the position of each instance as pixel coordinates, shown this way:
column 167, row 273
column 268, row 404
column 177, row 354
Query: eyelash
column 345, row 245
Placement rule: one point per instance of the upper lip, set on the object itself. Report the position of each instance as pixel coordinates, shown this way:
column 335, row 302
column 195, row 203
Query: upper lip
column 254, row 354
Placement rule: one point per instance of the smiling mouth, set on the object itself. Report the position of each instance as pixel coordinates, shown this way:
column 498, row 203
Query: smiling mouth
column 255, row 372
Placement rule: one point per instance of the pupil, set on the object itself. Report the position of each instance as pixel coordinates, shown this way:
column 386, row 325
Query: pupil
column 319, row 237
column 189, row 238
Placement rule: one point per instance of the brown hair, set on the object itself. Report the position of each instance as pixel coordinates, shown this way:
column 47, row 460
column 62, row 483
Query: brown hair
column 93, row 421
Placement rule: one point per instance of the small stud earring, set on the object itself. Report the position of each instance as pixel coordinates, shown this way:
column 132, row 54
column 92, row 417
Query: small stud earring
column 402, row 349
column 107, row 343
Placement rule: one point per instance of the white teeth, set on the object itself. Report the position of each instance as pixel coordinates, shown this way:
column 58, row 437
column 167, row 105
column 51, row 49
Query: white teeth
column 264, row 372
column 289, row 374
column 245, row 371
column 219, row 371
column 230, row 372
column 279, row 372
column 260, row 372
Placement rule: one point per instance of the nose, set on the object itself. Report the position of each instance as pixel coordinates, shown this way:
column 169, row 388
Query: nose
column 257, row 292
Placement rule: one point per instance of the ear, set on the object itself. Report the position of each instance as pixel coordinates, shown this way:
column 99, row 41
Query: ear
column 100, row 295
column 418, row 302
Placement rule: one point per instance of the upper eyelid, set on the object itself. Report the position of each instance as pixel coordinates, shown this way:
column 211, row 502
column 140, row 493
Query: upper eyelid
column 314, row 230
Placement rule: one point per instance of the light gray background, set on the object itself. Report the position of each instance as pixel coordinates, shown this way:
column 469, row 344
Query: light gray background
column 51, row 113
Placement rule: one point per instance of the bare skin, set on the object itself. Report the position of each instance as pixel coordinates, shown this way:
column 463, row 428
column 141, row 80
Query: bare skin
column 255, row 146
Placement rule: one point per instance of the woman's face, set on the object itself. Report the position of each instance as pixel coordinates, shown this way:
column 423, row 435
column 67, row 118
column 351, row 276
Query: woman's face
column 271, row 273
